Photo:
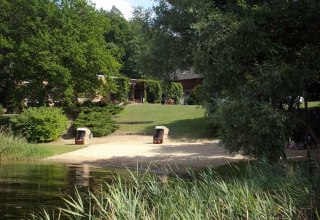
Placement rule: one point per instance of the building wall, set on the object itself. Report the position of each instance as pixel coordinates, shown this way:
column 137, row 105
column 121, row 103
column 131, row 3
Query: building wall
column 189, row 84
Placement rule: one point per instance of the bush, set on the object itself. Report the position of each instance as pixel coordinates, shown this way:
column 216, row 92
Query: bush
column 153, row 91
column 174, row 91
column 97, row 119
column 122, row 89
column 40, row 124
column 254, row 129
column 196, row 97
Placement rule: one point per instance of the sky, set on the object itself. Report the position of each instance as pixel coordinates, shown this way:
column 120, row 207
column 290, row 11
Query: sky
column 125, row 6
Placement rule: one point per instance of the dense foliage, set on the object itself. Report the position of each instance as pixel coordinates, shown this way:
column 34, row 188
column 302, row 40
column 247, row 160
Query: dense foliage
column 40, row 124
column 122, row 41
column 164, row 33
column 259, row 193
column 173, row 91
column 52, row 50
column 257, row 55
column 97, row 119
column 264, row 57
column 196, row 96
column 121, row 88
column 153, row 92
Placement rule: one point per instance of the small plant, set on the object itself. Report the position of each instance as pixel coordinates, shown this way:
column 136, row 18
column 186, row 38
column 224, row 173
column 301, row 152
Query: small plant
column 40, row 124
column 97, row 119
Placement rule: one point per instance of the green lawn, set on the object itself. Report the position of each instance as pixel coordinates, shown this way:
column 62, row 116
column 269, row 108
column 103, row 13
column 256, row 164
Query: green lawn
column 184, row 121
column 61, row 149
column 315, row 104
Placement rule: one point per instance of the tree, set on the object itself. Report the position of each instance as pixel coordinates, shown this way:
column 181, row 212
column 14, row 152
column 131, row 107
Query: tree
column 121, row 40
column 52, row 50
column 166, row 36
column 257, row 59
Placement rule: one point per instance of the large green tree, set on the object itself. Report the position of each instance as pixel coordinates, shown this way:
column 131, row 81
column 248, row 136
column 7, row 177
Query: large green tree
column 256, row 57
column 167, row 37
column 52, row 49
column 122, row 41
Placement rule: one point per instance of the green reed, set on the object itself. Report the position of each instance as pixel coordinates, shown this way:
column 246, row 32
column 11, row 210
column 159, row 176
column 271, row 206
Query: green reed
column 264, row 191
column 13, row 147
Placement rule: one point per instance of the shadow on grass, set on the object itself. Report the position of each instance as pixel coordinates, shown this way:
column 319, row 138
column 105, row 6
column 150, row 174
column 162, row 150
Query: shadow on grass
column 186, row 130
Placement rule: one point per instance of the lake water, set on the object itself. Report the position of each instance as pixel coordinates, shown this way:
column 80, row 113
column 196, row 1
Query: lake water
column 27, row 188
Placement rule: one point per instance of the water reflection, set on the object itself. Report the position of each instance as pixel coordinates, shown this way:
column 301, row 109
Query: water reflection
column 25, row 188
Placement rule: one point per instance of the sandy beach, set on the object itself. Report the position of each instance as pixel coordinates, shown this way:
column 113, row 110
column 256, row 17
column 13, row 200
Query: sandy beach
column 138, row 151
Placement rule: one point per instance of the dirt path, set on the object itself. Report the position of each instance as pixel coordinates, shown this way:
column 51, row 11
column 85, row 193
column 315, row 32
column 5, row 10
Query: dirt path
column 136, row 150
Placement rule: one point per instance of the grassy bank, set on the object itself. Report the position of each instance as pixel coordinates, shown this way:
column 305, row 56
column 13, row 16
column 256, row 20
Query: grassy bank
column 183, row 121
column 263, row 191
column 17, row 148
column 315, row 104
column 14, row 148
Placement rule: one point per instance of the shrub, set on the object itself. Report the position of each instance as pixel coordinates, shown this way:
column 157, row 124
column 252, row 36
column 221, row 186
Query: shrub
column 154, row 91
column 196, row 97
column 97, row 119
column 40, row 124
column 174, row 91
column 255, row 129
column 122, row 88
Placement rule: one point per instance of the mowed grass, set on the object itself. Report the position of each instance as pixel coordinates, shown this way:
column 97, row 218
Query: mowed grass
column 184, row 121
column 56, row 149
column 315, row 104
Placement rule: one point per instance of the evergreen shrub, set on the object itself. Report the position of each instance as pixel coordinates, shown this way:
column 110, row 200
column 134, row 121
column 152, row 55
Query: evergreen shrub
column 97, row 119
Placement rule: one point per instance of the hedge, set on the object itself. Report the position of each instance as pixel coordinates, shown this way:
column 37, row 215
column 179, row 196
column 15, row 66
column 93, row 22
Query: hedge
column 122, row 88
column 173, row 91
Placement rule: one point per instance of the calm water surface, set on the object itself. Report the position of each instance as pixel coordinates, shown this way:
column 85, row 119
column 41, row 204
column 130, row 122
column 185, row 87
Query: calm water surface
column 27, row 188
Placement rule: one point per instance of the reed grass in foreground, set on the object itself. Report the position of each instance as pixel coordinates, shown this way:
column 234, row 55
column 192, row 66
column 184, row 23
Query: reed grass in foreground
column 265, row 191
column 17, row 148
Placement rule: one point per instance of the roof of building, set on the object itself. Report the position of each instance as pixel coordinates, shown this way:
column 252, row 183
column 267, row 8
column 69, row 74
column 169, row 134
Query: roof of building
column 186, row 74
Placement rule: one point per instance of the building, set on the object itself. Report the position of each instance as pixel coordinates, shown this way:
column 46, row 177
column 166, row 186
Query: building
column 189, row 80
